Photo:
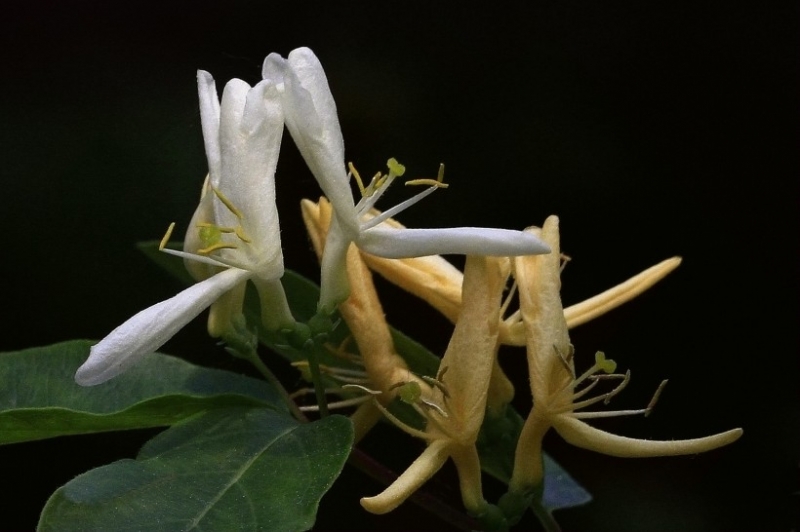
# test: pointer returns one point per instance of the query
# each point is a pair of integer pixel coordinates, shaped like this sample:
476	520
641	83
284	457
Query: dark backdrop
652	129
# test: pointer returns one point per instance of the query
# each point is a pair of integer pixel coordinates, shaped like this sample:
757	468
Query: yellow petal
539	281
471	353
598	305
422	469
362	311
585	436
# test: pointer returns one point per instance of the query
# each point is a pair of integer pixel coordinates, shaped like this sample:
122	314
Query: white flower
234	236
311	118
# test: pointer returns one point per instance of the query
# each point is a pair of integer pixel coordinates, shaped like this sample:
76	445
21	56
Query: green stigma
395	168
410	392
607	365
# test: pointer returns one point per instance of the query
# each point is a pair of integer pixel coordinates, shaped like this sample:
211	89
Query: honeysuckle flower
312	121
234	235
454	403
558	394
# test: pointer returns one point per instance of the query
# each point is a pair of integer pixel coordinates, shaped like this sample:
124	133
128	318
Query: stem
311	349
273	380
545	517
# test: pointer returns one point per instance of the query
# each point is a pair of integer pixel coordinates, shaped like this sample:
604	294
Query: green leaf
498	439
234	469
40	399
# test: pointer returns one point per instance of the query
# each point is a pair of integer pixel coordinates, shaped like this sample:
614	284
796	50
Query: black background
652	129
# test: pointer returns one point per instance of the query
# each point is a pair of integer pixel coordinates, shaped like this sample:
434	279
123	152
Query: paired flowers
235	237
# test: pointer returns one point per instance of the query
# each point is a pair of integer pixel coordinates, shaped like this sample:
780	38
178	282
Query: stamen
621	386
360	183
507	301
654	400
442	371
438	182
167	235
362	388
430	404
564	260
396	209
228	203
241	234
308	391
565	361
206	225
437	384
427	181
353	401
400	424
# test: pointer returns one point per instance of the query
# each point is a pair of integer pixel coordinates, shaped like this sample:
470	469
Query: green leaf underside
245	469
40	399
498	439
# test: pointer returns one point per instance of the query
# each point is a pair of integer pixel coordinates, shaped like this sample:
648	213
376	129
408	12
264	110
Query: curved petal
403	243
423	468
314	125
149	329
587	310
209	118
585	436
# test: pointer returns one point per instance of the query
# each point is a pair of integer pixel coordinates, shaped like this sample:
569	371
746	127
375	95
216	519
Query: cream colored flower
454	404
558	394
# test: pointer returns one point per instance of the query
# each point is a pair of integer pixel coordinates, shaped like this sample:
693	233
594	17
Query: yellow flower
558	393
454	403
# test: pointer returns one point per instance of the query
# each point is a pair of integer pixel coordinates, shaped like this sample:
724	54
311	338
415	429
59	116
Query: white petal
149	329
403	243
334	285
209	117
314	125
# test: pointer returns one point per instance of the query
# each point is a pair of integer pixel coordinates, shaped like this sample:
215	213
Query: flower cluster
234	235
234	238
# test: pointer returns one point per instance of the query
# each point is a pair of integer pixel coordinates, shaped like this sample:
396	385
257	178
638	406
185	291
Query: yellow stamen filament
202	225
361	388
228	203
167	235
356	175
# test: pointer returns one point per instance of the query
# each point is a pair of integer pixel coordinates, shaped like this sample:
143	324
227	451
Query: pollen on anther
167	236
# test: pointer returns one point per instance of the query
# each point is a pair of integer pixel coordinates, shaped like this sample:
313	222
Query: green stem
545	517
316	377
273	380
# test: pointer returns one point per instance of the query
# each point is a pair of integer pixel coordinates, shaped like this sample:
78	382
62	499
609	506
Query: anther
652	403
167	235
228	203
360	183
